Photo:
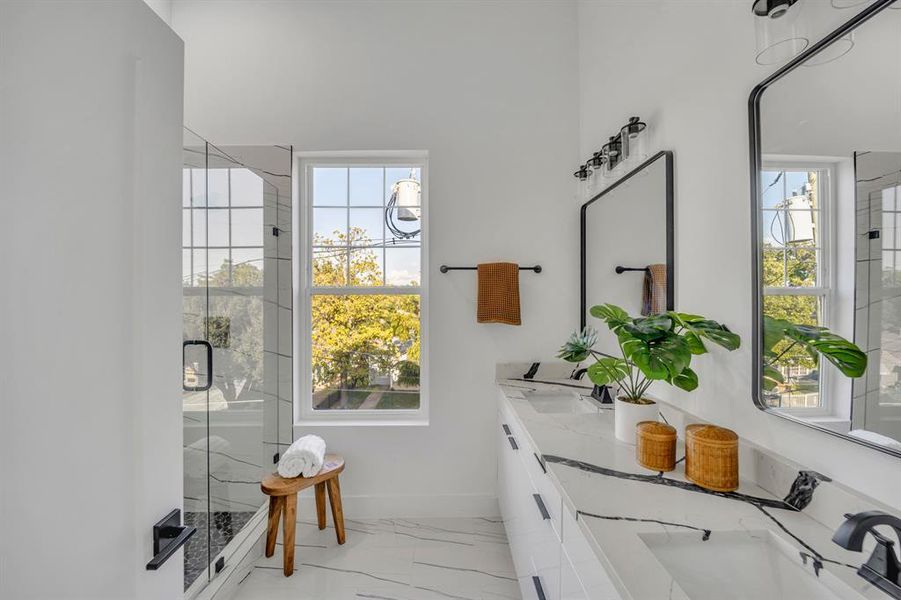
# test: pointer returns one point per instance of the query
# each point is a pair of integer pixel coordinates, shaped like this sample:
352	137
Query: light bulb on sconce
596	163
613	159
633	136
583	174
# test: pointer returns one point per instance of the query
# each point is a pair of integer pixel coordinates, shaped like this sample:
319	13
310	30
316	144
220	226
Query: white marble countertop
591	469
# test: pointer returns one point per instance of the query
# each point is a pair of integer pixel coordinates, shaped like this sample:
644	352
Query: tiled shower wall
877	323
274	165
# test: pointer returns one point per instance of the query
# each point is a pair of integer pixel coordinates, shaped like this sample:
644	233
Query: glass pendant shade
779	29
847	3
833	51
633	136
408	203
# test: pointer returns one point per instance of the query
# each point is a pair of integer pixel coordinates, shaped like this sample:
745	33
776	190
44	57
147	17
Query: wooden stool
282	494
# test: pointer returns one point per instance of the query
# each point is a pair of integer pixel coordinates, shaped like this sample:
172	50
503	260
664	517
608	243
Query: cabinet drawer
546	489
588	568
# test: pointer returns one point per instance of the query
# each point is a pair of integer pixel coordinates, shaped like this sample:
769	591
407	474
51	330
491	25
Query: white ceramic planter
627	415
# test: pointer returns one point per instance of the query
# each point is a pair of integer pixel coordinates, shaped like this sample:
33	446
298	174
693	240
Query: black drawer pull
538	589
513	443
507	429
540	464
541	507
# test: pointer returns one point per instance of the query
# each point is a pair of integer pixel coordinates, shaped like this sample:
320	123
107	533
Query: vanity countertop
619	505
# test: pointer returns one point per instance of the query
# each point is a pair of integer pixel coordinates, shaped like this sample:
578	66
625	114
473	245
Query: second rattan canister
711	457
656	445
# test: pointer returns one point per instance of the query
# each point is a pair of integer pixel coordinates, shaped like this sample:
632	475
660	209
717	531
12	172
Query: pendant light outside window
779	29
405	205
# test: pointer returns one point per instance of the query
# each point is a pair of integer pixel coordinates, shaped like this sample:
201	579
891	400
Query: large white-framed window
799	266
361	324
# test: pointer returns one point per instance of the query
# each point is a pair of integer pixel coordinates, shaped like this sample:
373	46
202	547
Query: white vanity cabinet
553	560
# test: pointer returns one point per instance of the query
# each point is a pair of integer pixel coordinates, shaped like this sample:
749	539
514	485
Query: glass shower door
195	399
236	328
237	308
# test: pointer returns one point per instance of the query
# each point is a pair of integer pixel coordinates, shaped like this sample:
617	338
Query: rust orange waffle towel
499	293
653	293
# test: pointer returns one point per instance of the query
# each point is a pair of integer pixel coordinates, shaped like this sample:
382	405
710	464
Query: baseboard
378	507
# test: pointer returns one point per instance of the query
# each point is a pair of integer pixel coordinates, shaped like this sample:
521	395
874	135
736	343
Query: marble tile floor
391	559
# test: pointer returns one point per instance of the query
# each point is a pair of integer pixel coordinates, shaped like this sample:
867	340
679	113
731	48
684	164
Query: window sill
329	421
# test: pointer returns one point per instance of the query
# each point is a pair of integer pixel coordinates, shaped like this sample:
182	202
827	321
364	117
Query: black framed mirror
825	165
627	240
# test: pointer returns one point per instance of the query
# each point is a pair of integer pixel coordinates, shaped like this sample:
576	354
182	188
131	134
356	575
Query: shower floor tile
225	526
391	559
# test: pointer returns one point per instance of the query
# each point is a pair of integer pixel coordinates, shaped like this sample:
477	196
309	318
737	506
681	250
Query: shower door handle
193	381
168	536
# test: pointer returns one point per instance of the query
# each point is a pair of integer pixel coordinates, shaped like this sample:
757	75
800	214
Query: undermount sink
558	402
744	565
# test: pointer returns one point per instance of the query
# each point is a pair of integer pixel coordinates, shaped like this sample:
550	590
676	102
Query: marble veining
706	532
661	480
616	503
392	559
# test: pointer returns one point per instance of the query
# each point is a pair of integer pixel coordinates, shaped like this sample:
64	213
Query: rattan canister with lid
711	457
655	446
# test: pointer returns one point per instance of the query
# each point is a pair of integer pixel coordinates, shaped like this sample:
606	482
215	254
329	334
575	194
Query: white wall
90	416
163	9
688	69
490	90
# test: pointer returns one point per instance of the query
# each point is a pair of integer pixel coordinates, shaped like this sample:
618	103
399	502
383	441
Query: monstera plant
816	341
654	348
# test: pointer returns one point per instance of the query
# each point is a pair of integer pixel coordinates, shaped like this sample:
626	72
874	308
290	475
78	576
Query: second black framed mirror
825	165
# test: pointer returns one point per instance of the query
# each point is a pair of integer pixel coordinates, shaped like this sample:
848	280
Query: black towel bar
621	270
445	268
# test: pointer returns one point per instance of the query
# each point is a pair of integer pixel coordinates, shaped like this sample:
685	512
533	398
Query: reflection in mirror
828	204
630	225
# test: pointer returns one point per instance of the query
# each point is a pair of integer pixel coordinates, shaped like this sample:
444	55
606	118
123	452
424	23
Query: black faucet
532	370
578	373
882	568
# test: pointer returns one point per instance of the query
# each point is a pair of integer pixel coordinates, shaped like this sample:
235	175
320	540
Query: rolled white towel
304	457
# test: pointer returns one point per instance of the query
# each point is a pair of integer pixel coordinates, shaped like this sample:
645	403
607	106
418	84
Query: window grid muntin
823	289
387	416
385	243
203	245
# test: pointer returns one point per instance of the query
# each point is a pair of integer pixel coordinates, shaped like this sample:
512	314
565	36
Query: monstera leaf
696	327
817	341
686	380
663	358
608	370
772	377
612	315
654	348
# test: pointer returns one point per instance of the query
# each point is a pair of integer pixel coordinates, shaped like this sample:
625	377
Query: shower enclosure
236	278
877	396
